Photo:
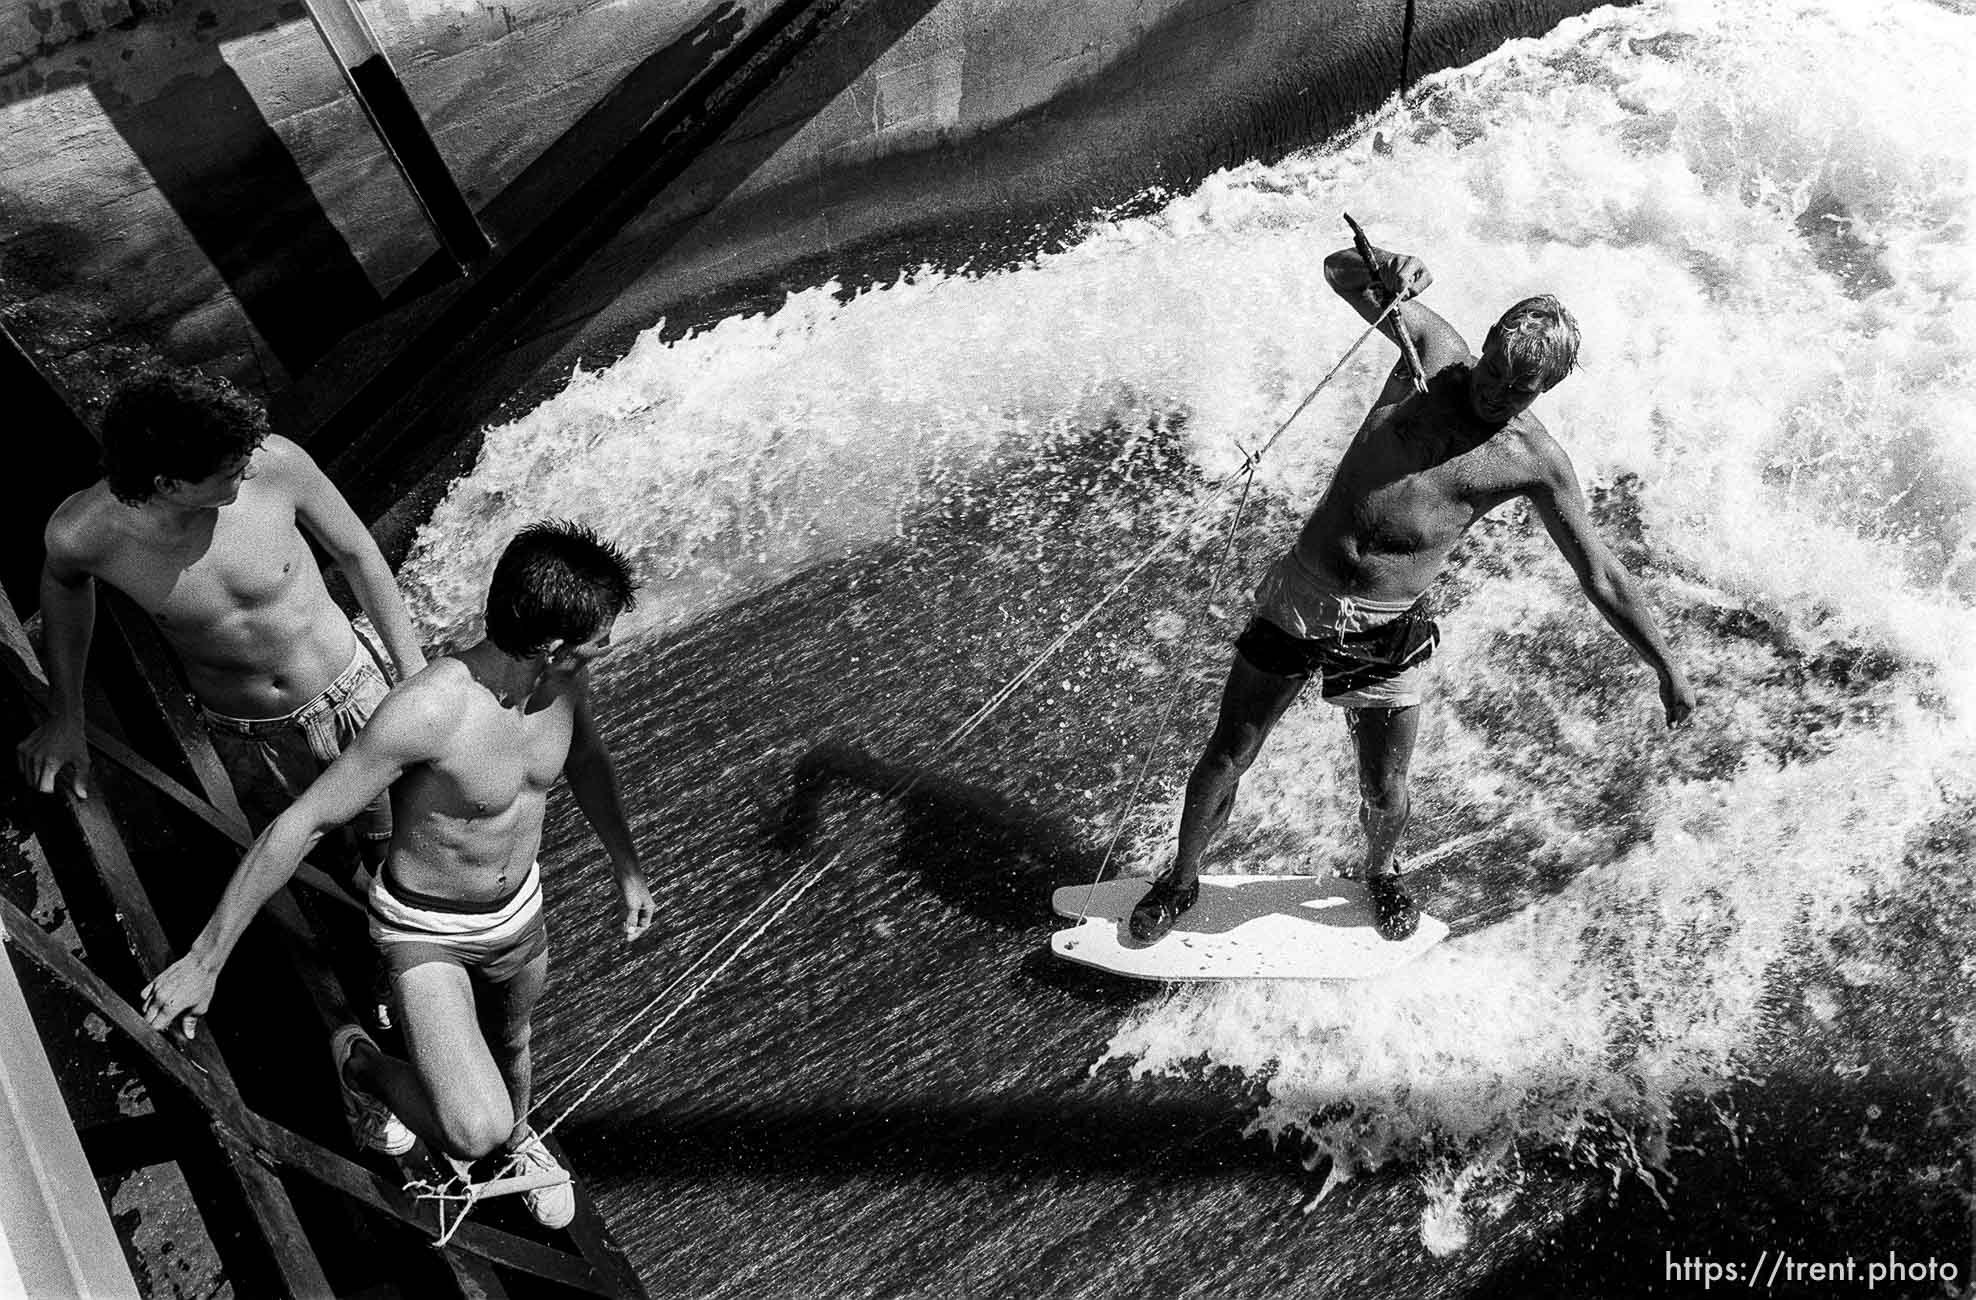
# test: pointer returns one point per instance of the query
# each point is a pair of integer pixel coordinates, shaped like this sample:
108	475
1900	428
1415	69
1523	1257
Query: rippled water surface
1707	990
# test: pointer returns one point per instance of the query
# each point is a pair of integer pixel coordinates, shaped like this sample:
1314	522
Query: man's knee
1384	793
1232	751
509	1040
472	1128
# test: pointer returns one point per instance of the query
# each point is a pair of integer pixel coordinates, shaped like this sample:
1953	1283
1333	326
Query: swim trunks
495	939
272	760
1368	654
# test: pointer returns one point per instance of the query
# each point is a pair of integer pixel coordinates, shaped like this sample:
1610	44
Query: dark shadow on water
1086	983
975	848
1176	1138
1820	1169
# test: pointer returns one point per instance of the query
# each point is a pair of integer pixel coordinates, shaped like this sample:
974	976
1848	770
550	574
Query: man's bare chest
1430	461
499	757
239	561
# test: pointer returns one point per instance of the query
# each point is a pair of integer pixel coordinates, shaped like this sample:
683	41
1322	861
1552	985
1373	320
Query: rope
899	789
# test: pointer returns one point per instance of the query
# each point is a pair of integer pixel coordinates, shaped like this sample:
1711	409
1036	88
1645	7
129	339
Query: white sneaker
371	1121
552	1206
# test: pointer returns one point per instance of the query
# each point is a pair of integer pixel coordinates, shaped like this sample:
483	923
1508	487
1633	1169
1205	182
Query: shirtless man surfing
200	518
1346	604
468	750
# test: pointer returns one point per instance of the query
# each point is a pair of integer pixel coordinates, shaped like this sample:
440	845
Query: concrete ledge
55	1236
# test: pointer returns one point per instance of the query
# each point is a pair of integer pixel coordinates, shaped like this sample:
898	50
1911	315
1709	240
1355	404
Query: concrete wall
192	180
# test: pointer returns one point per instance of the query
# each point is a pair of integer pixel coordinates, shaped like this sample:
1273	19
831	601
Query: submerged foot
371	1121
1393	911
1161	907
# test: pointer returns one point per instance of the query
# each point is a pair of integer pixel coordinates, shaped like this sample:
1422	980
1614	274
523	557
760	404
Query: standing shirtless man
1346	604
199	518
468	750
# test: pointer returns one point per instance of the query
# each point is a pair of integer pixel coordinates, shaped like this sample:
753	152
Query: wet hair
1540	339
181	427
556	581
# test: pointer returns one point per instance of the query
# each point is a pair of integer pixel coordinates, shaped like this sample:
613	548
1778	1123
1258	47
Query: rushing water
859	516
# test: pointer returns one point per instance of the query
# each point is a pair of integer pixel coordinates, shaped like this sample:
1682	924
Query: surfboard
1243	927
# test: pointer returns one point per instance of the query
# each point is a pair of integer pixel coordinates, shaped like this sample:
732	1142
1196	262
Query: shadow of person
972	847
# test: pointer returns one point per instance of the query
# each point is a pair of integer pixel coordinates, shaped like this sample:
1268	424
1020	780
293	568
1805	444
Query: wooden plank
274	1215
32	941
281	1230
490	1243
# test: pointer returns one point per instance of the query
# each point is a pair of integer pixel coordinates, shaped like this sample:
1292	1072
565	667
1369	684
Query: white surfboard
1243	927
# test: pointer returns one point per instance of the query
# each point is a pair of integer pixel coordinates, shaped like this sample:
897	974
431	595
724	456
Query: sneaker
371	1121
1394	913
552	1206
1161	907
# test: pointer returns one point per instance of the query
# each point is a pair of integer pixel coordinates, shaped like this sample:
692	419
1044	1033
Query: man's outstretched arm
1560	503
388	744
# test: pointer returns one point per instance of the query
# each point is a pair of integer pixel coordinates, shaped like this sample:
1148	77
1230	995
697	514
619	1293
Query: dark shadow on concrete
243	199
586	149
441	385
64	462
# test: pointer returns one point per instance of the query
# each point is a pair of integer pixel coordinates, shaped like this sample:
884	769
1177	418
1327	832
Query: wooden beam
286	1245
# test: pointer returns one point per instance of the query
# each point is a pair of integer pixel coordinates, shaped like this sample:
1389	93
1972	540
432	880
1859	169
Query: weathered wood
490	1243
274	1215
190	1075
286	1245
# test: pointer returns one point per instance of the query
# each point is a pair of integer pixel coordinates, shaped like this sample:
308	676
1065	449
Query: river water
1707	993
